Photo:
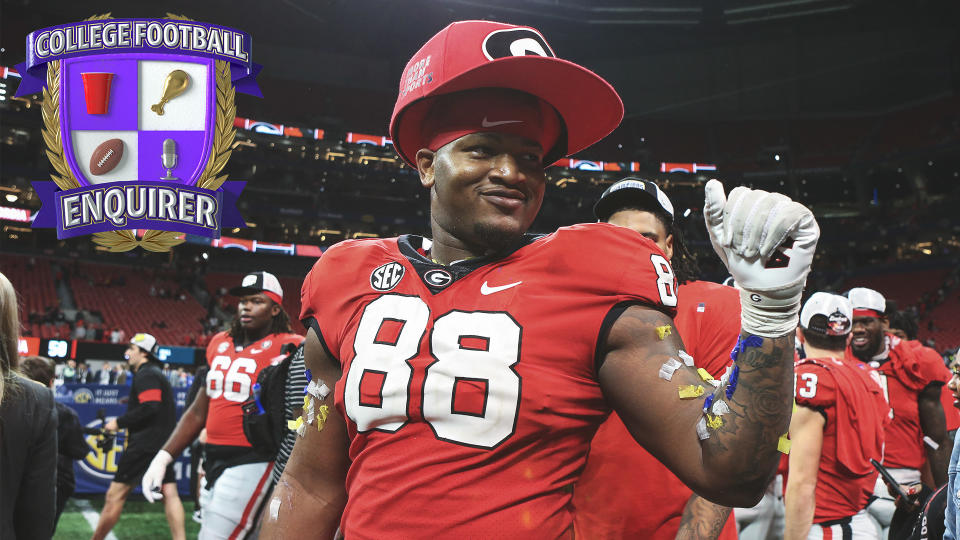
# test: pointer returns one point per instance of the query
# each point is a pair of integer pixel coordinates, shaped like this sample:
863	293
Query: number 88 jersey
233	371
470	390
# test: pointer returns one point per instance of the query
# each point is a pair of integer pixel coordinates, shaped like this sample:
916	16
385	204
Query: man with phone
837	429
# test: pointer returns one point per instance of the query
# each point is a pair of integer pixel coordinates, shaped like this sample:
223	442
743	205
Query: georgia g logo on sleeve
515	42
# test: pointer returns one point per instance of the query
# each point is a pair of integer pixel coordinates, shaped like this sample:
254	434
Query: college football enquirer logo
138	123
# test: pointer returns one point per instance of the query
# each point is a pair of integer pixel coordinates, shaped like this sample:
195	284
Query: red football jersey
233	371
907	372
470	390
607	503
851	399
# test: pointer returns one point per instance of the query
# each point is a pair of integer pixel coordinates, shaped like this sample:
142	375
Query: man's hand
766	242
153	478
111	425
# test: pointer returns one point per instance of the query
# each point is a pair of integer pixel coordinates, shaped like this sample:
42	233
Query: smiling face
954	384
866	338
485	189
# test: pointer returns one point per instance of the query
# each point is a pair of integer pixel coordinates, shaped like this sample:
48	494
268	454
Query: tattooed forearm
702	520
760	409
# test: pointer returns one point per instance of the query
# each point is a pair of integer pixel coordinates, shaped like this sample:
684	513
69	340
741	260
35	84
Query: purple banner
138	205
111	36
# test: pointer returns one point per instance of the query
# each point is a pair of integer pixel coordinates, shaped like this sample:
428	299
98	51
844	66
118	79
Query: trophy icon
175	84
169	158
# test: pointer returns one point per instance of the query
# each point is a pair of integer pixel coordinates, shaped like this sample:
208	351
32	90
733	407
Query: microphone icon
169	158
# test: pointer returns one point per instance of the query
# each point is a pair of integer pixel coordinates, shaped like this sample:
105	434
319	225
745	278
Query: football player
237	476
606	501
476	366
912	381
837	429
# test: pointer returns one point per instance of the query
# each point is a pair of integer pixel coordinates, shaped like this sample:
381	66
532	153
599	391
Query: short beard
495	240
873	348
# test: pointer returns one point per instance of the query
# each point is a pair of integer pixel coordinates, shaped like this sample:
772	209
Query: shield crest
137	117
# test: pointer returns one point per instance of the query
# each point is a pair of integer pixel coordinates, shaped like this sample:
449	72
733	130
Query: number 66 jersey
470	390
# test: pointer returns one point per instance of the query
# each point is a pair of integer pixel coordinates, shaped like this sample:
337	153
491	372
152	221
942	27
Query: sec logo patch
386	277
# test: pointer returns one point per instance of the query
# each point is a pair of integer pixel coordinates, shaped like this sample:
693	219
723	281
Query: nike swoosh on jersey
486	123
486	289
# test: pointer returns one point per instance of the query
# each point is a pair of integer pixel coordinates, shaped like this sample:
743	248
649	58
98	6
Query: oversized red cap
468	55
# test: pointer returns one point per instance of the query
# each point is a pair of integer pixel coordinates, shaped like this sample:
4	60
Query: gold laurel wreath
224	135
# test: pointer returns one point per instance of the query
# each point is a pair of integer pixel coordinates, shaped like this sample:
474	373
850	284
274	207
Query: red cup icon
96	89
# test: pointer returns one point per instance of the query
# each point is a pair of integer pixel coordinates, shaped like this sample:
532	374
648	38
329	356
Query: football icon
106	157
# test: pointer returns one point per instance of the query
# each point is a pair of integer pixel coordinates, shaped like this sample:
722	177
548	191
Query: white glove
746	231
153	478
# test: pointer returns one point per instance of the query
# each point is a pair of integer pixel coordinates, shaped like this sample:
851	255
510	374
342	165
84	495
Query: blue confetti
736	349
708	402
308	374
732	384
305	388
752	341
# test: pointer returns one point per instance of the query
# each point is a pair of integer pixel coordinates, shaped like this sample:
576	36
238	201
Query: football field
140	520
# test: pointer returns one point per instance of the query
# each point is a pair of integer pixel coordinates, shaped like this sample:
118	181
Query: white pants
883	507
860	527
229	510
765	521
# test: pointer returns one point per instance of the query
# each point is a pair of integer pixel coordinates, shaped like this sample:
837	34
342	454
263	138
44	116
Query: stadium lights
11	197
776	157
204	255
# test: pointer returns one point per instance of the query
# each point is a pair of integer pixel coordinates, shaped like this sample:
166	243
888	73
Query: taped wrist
768	317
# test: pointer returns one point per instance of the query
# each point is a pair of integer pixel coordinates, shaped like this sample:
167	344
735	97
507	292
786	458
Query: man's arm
933	424
734	465
806	434
702	520
188	428
311	492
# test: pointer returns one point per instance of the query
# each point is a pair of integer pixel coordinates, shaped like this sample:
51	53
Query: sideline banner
94	472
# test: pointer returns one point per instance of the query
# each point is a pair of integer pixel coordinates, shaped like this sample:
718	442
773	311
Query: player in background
606	501
912	381
952	519
150	417
837	429
476	366
237	477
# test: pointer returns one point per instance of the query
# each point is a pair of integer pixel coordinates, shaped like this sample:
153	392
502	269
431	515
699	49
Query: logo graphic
99	462
438	277
82	395
138	123
222	347
515	42
486	123
838	324
386	277
486	289
266	344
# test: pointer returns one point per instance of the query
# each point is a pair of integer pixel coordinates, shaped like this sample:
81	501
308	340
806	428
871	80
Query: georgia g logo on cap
515	42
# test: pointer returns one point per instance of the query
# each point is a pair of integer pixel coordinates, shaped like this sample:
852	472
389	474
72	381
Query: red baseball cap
468	55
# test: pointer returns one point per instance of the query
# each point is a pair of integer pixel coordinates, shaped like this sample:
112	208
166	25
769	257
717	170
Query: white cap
827	314
146	342
862	298
256	282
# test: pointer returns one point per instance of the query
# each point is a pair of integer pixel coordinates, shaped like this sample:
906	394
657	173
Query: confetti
732	385
783	445
720	407
319	391
308	374
704	374
322	413
702	429
690	391
664	331
275	508
669	368
708	402
294	425
687	359
714	421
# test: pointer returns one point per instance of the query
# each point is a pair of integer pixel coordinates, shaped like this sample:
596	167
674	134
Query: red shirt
904	376
470	390
232	374
851	399
607	502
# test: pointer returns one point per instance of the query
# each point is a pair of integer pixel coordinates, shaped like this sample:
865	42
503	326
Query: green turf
140	520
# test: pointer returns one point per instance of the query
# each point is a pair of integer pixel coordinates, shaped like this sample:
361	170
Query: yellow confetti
294	425
783	445
306	401
322	416
664	331
691	391
704	374
714	421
